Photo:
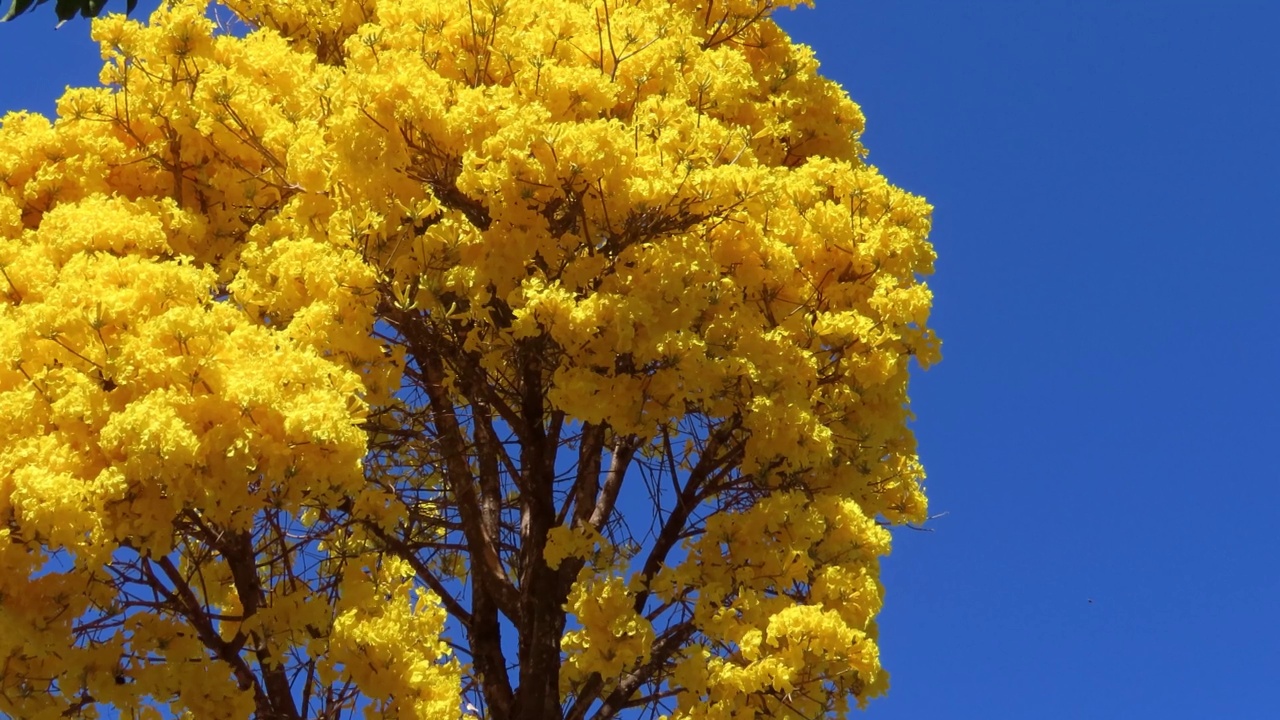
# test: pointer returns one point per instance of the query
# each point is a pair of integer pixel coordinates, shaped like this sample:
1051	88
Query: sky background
1106	177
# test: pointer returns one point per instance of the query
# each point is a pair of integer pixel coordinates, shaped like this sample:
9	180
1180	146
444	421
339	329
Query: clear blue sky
1107	184
1106	177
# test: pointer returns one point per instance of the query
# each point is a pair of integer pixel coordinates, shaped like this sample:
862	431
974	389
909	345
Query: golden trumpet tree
428	358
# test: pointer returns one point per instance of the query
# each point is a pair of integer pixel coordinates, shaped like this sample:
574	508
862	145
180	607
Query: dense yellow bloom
333	349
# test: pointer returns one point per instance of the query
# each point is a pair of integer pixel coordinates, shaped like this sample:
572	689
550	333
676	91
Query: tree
538	359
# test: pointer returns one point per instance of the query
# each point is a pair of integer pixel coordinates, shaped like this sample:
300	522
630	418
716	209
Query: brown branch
489	450
688	498
229	652
662	652
403	551
658	658
623	450
542	599
237	549
486	564
687	501
587	482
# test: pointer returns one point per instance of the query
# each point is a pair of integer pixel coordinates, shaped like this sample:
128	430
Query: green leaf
67	9
15	9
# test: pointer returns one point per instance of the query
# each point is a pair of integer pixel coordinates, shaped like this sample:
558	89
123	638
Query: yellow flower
426	353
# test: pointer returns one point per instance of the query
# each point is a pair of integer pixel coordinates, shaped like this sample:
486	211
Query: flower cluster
315	334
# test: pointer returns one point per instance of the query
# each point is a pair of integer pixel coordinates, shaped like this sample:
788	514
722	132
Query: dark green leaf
16	8
67	9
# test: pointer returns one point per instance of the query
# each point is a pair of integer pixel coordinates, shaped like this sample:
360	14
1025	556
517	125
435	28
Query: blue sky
1106	177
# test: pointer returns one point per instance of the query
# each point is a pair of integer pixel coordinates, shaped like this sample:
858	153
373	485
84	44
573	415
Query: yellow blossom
542	357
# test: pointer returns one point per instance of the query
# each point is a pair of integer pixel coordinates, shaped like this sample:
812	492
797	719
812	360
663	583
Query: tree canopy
438	358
